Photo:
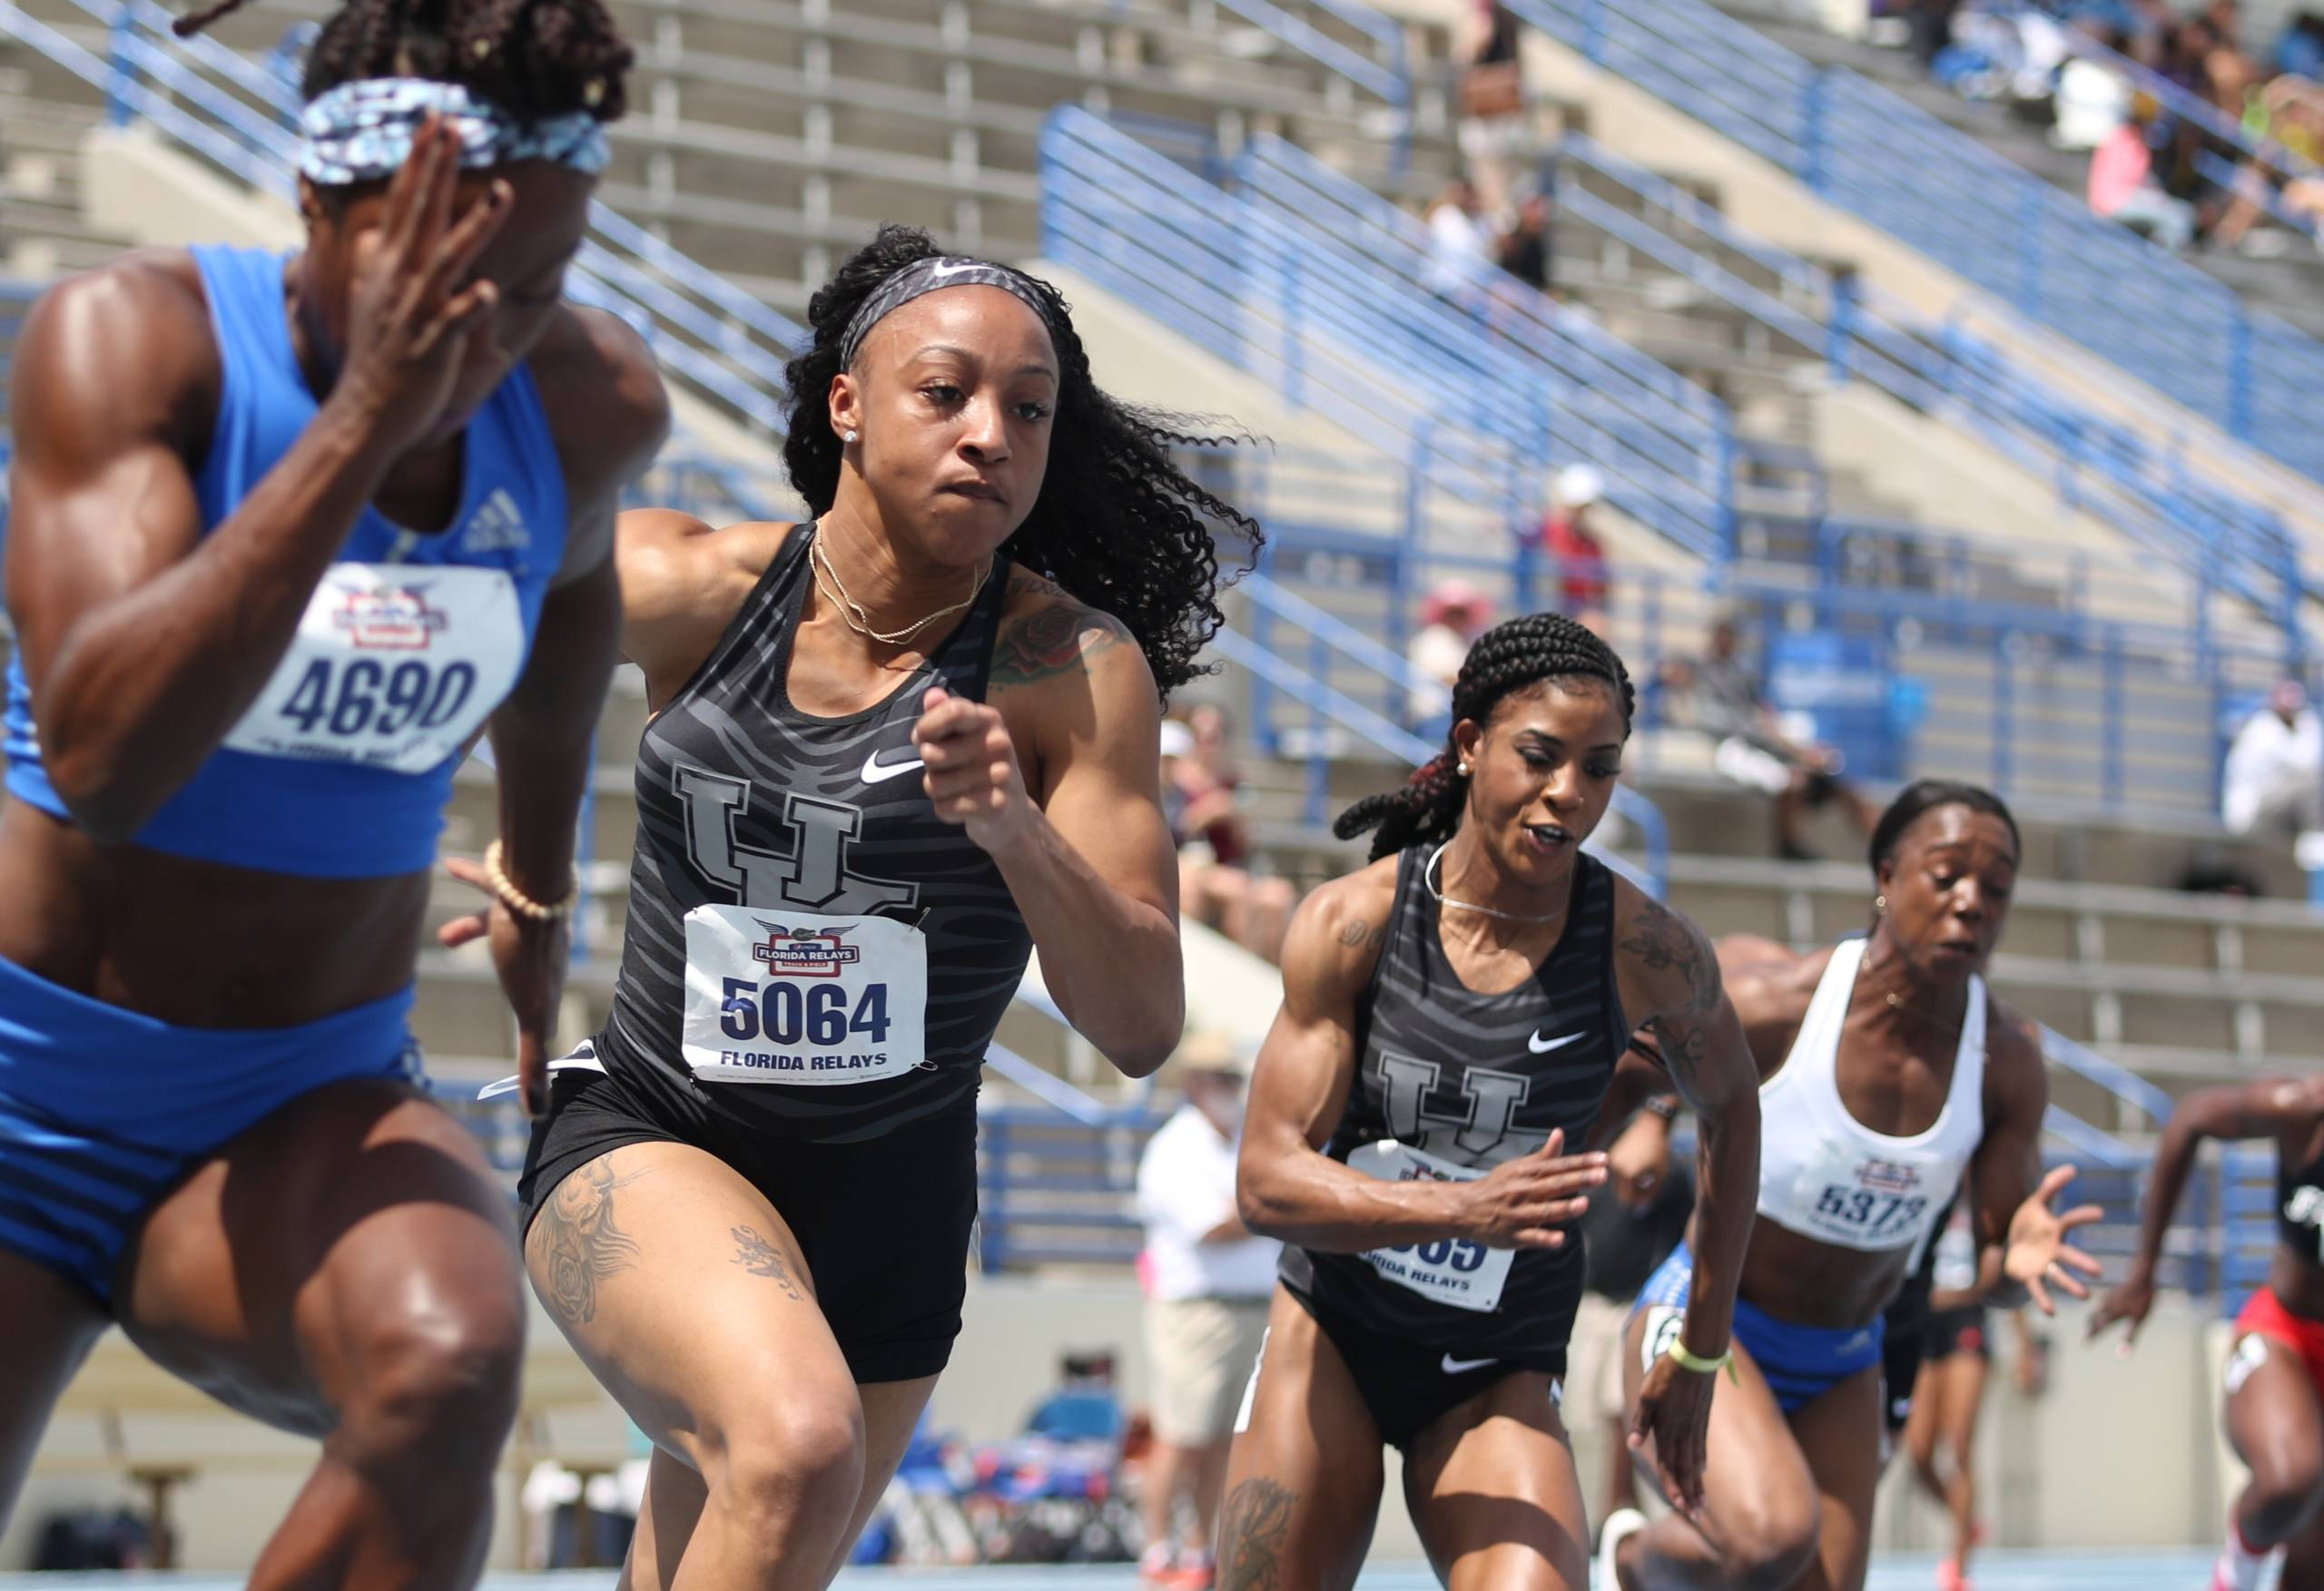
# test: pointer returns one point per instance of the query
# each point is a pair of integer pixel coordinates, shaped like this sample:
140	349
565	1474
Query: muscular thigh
1304	1475
45	1331
1492	1489
1839	1432
254	1277
684	1293
2274	1417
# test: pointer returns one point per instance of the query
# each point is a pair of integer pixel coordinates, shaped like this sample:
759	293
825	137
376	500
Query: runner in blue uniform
287	534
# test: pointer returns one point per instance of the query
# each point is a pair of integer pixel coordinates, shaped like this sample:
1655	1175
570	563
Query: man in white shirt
1207	1283
2275	769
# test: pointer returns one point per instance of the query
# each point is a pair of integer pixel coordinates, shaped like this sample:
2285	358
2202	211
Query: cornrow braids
1506	659
533	58
1117	525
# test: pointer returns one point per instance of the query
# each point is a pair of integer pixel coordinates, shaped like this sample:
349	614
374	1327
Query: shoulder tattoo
1055	639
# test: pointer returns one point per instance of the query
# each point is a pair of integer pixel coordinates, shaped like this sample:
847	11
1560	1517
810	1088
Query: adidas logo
495	526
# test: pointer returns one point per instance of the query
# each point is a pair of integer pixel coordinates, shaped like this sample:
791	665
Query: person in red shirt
1577	558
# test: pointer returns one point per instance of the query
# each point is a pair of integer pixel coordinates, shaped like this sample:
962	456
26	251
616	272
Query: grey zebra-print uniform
744	800
1471	1080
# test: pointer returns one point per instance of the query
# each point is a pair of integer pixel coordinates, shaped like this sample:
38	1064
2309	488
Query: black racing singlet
2299	1205
1453	1083
810	951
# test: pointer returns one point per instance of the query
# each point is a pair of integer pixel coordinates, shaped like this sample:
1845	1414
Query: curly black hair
1119	524
1506	659
533	58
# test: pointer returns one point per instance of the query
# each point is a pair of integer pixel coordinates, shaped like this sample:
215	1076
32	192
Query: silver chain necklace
1428	881
858	618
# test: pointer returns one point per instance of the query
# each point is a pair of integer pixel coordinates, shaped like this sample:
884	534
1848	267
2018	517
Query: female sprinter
2275	1376
1451	1015
1891	1077
893	751
287	533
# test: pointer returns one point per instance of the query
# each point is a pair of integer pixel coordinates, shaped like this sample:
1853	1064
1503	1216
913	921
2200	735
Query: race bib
394	668
1862	1200
776	995
1458	1271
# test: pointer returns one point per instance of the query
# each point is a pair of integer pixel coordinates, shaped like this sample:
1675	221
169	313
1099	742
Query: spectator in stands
1207	1284
1758	748
1451	617
1525	251
1577	558
2301	52
2092	99
2275	769
2123	186
1636	1217
1460	247
1492	102
1199	801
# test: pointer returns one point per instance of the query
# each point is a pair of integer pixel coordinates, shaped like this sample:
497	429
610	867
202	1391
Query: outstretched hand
1522	1203
2038	1256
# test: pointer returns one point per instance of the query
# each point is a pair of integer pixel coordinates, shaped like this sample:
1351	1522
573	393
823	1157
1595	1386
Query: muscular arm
1094	872
610	414
2007	1166
2269	1107
1670	977
1287	1187
145	640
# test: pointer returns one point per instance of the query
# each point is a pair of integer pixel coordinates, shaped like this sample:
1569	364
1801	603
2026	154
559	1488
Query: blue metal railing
1345	332
1993	224
2213	535
238	115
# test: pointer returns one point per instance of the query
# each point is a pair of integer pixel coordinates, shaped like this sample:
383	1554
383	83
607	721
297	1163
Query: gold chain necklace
858	618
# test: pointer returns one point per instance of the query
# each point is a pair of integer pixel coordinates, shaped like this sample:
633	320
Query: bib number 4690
788	1015
363	695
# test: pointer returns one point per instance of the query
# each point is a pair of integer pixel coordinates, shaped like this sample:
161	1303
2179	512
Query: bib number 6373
787	1014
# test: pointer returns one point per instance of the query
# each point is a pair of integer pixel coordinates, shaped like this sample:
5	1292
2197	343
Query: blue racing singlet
342	766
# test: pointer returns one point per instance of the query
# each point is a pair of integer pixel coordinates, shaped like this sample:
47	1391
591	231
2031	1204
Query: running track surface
2155	1570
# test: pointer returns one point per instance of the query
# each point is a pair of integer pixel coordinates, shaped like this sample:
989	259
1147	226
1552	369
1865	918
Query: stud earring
849	436
1462	768
1880	903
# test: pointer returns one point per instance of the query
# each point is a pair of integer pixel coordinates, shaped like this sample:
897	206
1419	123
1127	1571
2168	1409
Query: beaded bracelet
505	890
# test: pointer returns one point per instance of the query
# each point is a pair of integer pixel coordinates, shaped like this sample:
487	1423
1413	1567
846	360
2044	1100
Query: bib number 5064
786	1014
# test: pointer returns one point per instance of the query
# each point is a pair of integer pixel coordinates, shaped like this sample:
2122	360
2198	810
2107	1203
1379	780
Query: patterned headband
922	276
361	131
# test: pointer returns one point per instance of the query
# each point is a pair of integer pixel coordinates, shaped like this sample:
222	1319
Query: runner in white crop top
1892	1081
1825	1175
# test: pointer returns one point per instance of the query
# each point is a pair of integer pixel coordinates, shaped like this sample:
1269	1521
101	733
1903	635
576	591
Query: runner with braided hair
1452	1018
288	532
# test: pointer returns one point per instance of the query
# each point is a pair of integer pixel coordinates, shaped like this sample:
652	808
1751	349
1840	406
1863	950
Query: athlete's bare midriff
1806	1283
194	943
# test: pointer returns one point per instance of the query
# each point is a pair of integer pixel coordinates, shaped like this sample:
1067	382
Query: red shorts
2265	1316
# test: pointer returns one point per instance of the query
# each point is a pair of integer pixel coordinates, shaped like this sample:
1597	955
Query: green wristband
1701	1365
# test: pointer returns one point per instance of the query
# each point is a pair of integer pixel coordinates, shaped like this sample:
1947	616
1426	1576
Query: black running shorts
1407	1386
885	1224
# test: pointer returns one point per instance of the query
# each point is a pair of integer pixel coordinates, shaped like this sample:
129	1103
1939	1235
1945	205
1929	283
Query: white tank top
1826	1175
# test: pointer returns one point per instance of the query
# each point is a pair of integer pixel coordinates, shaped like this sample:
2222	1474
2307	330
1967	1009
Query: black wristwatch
1663	1106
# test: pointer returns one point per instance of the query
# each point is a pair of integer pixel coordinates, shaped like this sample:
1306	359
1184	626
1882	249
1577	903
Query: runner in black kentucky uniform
888	758
1454	1315
1452	1017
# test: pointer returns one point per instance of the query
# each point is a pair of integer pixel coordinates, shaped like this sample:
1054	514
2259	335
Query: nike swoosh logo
940	272
1541	1046
1461	1367
874	771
